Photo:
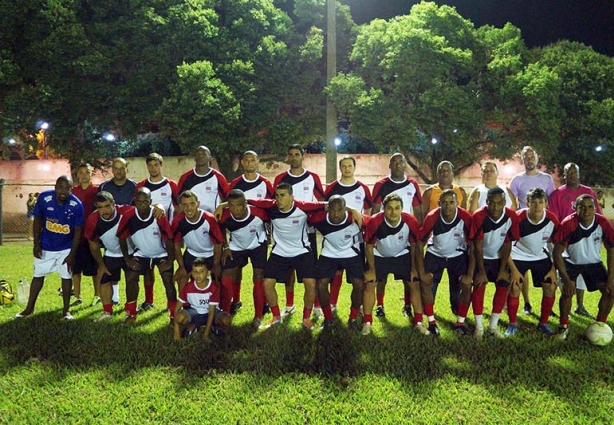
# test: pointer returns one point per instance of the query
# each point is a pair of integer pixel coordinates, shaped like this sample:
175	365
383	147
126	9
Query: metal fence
14	222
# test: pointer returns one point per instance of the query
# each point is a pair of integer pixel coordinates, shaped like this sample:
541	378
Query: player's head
537	200
336	209
189	204
295	155
84	173
571	173
249	162
529	157
142	201
154	163
489	171
393	207
397	165
200	271
202	156
283	196
347	166
119	168
237	204
448	201
445	172
585	208
495	202
105	204
63	188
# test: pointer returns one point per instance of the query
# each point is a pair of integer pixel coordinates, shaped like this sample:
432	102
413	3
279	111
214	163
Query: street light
44	126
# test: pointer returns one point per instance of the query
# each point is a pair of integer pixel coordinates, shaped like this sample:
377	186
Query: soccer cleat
478	334
366	328
21	315
380	312
256	322
146	306
496	333
274	322
527	308
407	311
307	324
333	308
421	328
76	302
461	330
103	317
545	329
434	329
327	325
129	319
218	331
115	302
581	311
288	310
511	330
353	325
95	301
266	309
562	333
235	307
318	313
68	317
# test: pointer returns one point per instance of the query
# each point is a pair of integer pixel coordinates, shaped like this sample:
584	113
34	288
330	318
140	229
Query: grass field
85	372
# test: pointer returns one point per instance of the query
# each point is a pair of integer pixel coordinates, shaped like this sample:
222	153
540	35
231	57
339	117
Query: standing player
409	192
254	186
530	252
493	228
152	239
342	237
247	240
291	249
521	183
445	177
477	196
445	232
207	183
101	228
58	224
577	252
307	187
357	196
561	203
84	262
391	241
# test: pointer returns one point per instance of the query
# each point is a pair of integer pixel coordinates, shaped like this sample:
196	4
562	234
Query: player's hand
133	263
466	281
226	254
569	289
218	212
158	211
427	279
69	261
480	279
102	270
164	265
180	276
216	271
515	278
370	276
38	252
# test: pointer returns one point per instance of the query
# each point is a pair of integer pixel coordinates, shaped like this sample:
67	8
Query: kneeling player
197	306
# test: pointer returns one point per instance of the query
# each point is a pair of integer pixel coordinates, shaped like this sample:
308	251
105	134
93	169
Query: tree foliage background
170	75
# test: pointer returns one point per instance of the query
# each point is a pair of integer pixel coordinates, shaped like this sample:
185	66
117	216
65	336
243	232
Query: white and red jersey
97	229
338	240
493	233
259	188
164	192
211	188
534	237
199	298
357	195
149	235
584	243
407	189
289	227
445	239
392	241
305	187
200	236
248	233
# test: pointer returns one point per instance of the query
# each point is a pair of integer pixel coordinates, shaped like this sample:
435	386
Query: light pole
331	71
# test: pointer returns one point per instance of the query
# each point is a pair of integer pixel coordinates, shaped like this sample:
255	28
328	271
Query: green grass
85	372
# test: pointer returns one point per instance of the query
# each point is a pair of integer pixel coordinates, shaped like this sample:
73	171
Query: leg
270	293
66	286
171	291
181	320
308	300
132	292
368	301
525	295
605	306
76	285
258	292
35	288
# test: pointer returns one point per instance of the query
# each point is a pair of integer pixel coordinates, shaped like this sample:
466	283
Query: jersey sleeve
427	226
90	227
222	186
417	199
414	227
318	191
215	233
123	231
608	231
165	228
174	191
377	193
175	228
264	204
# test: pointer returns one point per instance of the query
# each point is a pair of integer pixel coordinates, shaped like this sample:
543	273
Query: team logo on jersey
63	229
156	233
252	229
597	239
48	198
72	203
50	209
295	221
208	188
400	236
457	234
305	188
258	195
502	234
163	193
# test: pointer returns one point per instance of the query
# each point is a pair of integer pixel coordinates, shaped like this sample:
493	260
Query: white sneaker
288	310
478	333
421	328
95	301
366	328
318	313
103	317
496	333
68	317
333	308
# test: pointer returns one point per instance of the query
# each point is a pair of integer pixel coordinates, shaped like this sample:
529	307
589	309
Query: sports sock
479	321
602	318
335	288
380	299
316	302
275	311
430	314
494	320
477	300
115	296
354	312
289	298
499	299
512	309
547	304
463	309
406	297
306	313
172	305
368	318
107	308
130	308
149	294
236	294
258	293
417	318
227	292
328	313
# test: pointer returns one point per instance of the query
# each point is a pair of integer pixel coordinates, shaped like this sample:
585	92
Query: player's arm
131	262
514	205
478	250
37	229
95	250
219	210
504	256
426	202
463	203
418	211
370	257
356	215
76	240
472	202
376	208
181	275
609	288
210	318
568	286
425	278
515	275
467	279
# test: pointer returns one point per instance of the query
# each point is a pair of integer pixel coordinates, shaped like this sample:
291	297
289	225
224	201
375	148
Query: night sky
542	22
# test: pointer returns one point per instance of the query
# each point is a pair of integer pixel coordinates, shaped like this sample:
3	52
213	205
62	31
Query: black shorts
539	269
115	265
456	266
256	255
188	260
278	267
354	267
492	268
84	261
400	267
595	275
148	264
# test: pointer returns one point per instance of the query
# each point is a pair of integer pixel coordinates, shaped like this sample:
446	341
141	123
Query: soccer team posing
212	229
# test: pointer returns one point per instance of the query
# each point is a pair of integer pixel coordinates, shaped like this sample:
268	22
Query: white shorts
52	261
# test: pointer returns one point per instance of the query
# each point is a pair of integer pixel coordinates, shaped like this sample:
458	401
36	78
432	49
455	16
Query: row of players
212	190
